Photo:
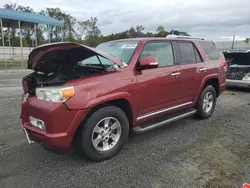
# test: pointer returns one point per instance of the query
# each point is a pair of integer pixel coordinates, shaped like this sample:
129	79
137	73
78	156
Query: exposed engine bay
63	75
57	63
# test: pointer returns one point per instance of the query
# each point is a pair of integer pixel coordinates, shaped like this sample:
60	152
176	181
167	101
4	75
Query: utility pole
233	42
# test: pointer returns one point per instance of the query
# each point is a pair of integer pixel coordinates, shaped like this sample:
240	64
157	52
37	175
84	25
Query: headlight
55	94
246	77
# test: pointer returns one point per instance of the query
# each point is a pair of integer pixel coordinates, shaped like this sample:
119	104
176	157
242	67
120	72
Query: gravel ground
188	153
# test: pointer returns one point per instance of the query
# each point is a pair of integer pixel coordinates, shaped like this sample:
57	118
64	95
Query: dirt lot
188	153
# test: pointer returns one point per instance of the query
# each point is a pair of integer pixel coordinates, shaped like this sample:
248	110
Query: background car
238	72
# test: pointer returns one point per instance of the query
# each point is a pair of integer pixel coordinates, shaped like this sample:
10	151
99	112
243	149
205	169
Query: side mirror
149	63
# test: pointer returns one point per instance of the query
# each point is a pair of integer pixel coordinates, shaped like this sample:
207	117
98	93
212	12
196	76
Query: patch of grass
13	64
229	93
14	97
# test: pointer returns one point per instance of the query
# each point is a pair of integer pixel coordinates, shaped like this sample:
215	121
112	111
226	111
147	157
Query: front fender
106	98
87	102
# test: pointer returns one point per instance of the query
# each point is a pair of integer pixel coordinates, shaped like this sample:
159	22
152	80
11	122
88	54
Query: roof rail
238	51
184	37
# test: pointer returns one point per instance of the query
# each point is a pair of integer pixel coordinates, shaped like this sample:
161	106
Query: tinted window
161	50
186	52
197	56
210	49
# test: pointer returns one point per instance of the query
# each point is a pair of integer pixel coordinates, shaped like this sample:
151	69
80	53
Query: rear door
214	61
192	69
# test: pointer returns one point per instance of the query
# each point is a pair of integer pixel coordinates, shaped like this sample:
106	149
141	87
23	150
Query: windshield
120	49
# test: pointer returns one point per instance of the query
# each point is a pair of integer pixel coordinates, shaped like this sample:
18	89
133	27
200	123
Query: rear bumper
238	83
60	123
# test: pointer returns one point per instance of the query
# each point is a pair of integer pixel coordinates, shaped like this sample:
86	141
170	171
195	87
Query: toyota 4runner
93	97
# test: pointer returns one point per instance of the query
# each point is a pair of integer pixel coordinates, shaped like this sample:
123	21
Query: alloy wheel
208	102
106	134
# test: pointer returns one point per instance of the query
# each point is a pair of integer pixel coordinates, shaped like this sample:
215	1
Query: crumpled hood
51	57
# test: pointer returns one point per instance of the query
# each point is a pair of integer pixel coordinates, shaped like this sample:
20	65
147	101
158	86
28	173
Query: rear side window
211	51
187	53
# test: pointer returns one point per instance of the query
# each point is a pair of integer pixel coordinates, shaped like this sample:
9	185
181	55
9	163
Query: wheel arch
209	80
122	103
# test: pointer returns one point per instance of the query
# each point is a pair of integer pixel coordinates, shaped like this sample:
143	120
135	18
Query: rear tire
104	133
206	103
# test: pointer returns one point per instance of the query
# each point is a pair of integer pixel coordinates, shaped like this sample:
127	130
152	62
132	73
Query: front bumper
238	83
60	123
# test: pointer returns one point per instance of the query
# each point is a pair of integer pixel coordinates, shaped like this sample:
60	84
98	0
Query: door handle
202	69
175	74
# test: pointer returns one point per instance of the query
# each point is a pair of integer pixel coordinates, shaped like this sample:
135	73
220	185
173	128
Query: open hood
238	57
51	57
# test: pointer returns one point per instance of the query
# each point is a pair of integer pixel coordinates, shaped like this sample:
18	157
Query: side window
197	55
161	50
186	52
210	49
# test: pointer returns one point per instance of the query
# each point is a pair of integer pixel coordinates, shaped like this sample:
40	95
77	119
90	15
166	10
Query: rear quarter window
211	50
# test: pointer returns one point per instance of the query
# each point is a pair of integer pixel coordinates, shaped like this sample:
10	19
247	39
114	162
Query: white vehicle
238	72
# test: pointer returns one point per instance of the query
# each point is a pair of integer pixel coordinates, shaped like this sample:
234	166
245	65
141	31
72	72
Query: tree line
73	30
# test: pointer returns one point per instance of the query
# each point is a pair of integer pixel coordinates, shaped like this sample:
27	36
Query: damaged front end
238	72
57	63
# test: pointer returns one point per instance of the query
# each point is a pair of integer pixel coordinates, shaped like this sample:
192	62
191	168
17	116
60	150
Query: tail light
25	86
224	65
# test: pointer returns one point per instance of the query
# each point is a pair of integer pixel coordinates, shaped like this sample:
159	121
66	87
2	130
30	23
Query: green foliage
247	40
161	32
85	32
175	32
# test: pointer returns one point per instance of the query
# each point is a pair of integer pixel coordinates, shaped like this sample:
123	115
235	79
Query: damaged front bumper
27	136
238	83
60	123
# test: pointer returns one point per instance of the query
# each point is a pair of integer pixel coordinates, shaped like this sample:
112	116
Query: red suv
93	97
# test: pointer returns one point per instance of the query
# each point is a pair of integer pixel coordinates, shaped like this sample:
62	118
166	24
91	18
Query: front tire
104	133
206	103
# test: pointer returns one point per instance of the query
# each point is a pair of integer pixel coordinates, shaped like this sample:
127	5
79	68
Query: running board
169	119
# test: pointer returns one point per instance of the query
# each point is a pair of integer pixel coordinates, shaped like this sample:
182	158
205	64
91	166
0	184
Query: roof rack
184	37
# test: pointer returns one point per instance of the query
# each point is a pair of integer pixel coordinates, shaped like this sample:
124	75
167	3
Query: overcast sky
214	19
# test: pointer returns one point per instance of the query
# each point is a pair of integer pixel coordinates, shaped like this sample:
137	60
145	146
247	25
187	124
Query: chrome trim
140	130
175	74
184	37
202	69
162	110
27	136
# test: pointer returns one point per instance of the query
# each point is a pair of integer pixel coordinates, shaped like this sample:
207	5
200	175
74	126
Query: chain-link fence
226	45
12	56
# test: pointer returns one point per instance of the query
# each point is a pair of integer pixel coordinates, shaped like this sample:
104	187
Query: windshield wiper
104	68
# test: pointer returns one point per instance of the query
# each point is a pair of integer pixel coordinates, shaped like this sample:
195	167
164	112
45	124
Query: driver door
158	87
